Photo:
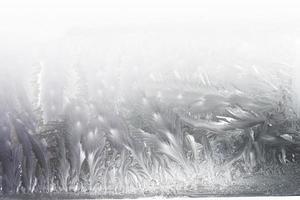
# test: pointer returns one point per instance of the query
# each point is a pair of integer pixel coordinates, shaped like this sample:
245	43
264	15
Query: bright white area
256	30
41	20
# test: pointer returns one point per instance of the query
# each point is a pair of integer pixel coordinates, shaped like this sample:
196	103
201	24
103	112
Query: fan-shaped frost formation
104	125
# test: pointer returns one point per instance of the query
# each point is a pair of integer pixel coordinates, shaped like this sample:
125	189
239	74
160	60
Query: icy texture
116	128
